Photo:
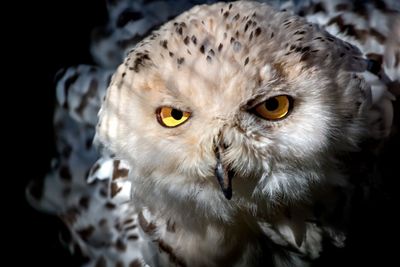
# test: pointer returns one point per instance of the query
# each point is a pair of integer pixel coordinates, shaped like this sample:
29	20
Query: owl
224	134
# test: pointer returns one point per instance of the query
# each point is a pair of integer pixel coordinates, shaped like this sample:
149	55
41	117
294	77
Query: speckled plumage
153	198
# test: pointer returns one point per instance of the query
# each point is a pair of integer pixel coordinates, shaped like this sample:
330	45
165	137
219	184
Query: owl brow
254	101
261	95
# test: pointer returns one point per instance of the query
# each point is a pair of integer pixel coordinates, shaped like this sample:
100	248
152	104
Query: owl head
238	97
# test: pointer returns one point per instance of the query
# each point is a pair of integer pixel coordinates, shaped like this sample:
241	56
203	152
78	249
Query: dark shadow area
56	35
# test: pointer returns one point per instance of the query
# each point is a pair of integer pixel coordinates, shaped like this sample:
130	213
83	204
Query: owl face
237	97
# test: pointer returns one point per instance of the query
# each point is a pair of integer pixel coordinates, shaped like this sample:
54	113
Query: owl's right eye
274	108
170	117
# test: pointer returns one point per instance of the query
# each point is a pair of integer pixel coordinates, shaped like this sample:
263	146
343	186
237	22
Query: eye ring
274	108
170	117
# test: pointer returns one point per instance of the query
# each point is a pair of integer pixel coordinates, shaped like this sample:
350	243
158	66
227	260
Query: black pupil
271	104
176	114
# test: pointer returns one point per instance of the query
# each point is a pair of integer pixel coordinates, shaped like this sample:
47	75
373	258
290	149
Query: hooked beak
223	174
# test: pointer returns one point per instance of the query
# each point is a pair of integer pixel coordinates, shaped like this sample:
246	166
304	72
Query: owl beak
223	174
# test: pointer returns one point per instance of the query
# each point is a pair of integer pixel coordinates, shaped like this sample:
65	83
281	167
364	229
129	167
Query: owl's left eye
170	117
274	108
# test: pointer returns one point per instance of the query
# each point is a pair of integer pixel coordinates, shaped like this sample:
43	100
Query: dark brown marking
171	226
110	205
350	30
194	39
131	227
375	62
103	222
211	52
84	202
236	17
135	263
186	40
246	61
164	43
70	216
103	192
119	264
379	36
179	30
67	84
226	14
305	56
85	233
246	27
164	247
286	22
171	54
319	7
117	172
115	189
377	57
202	49
298	32
220	47
381	5
118	226
305	49
147	227
133	237
180	60
257	31
65	173
128	221
119	245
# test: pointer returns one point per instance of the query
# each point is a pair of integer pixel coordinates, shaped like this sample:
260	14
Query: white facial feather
217	62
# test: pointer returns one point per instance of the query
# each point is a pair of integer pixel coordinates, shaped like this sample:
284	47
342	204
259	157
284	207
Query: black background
49	35
55	35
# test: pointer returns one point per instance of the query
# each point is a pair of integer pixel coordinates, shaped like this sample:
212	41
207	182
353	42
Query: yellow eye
171	117
274	108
